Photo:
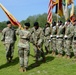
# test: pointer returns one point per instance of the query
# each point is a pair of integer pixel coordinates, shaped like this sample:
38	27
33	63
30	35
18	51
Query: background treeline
41	18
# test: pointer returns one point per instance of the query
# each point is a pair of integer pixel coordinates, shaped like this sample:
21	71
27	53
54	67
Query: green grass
53	65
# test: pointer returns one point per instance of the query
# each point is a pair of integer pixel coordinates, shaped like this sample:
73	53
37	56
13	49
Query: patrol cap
27	24
36	24
8	22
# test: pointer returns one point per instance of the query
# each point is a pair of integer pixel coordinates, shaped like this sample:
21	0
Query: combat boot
8	60
68	56
44	60
59	55
53	53
21	69
11	59
24	69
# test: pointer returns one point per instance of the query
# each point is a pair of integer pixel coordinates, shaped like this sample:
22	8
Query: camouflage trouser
53	44
23	57
59	45
67	47
9	50
39	52
47	45
74	47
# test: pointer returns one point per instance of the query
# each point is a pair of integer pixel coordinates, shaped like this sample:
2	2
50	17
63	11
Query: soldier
38	41
74	39
24	46
59	36
9	38
53	38
67	39
47	33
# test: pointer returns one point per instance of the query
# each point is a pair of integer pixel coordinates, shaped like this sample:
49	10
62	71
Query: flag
69	2
66	11
72	15
11	17
72	10
59	8
52	3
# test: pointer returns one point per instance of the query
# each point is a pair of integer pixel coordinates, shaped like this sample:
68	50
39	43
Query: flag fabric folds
59	8
11	17
52	3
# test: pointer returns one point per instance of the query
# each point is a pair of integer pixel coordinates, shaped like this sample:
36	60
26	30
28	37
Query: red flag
11	17
52	3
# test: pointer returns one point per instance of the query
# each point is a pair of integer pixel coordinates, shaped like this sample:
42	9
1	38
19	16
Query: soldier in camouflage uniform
24	46
59	40
38	37
9	38
47	33
67	39
53	38
74	39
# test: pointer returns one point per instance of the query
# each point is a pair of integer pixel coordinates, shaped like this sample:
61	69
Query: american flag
52	3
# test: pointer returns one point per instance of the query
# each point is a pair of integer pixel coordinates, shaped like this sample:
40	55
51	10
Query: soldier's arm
3	35
40	41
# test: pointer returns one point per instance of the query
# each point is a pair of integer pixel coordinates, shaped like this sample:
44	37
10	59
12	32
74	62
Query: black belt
59	37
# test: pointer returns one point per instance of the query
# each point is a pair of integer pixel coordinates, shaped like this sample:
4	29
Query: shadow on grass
48	59
15	61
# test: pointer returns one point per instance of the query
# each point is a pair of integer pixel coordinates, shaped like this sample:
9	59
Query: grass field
53	65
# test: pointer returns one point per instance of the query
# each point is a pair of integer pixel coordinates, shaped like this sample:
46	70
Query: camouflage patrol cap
8	22
36	24
27	24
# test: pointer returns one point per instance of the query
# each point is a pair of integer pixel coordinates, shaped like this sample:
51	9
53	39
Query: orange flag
11	17
59	8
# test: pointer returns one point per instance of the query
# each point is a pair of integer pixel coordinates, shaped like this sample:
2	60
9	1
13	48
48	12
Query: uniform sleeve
3	35
40	41
17	31
71	32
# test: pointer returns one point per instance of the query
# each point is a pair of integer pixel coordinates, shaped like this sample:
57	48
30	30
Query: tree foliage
41	18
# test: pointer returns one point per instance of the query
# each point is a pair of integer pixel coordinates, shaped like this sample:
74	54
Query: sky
22	9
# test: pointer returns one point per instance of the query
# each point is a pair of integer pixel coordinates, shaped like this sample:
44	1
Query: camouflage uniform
9	38
67	39
74	40
23	47
59	40
38	42
53	39
47	39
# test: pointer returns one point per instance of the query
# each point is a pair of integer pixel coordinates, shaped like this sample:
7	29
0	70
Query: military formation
58	39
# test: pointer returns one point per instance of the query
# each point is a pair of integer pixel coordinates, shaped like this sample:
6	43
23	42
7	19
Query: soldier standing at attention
53	38
74	39
47	33
67	39
38	37
9	38
24	47
59	36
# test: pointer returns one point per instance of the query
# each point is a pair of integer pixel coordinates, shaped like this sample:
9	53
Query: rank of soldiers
59	40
